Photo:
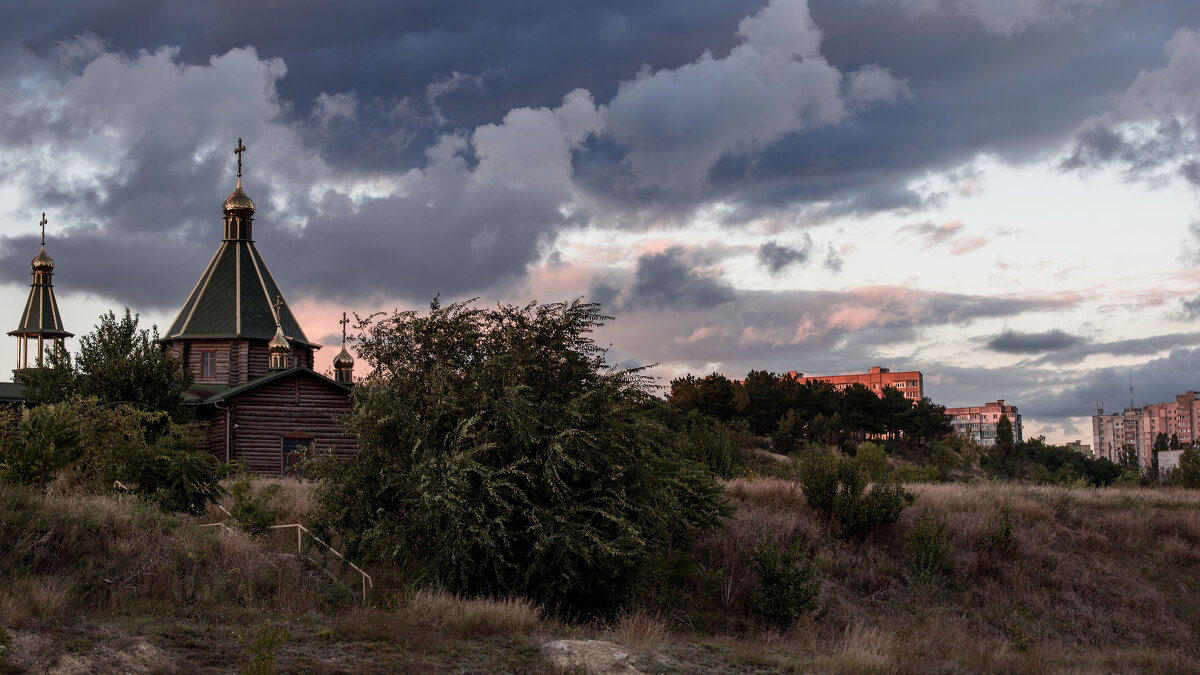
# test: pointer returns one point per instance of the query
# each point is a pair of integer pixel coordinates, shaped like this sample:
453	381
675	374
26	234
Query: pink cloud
855	317
967	245
946	233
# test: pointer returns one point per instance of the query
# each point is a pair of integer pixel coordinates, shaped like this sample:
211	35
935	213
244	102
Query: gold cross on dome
238	151
278	305
344	321
43	224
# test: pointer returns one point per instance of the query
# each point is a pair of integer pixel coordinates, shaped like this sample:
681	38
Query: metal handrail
302	530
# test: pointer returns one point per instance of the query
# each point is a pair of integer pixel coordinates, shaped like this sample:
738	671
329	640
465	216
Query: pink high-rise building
1138	427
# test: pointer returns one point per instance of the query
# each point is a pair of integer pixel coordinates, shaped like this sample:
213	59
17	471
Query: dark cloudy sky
999	193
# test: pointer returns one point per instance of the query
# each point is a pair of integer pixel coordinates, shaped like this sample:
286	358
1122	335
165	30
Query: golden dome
279	344
343	360
238	201
42	263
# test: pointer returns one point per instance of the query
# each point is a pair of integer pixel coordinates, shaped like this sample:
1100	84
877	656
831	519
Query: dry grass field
1036	579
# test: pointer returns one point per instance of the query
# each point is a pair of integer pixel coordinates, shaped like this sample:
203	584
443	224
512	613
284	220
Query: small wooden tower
40	320
343	363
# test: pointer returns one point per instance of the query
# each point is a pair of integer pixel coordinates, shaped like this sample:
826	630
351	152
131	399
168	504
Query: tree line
795	413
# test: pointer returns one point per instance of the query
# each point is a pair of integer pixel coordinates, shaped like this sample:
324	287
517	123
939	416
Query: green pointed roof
41	315
235	299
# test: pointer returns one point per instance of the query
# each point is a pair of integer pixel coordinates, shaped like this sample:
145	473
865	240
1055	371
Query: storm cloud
402	150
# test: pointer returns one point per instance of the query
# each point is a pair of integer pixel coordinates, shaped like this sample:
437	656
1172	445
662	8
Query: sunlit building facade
909	382
979	422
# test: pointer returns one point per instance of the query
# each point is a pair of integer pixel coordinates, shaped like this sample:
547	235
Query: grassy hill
1032	579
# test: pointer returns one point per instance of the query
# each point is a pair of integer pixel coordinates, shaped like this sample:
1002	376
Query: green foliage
172	472
841	487
1016	627
1003	449
116	363
711	395
1188	472
254	510
917	473
500	454
874	460
943	459
261	650
46	440
929	548
997	534
787	581
1040	462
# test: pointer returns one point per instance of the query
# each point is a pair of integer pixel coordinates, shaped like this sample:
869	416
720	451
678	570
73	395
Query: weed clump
929	548
261	650
997	535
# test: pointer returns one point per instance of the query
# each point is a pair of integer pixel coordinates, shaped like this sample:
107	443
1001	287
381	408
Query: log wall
296	405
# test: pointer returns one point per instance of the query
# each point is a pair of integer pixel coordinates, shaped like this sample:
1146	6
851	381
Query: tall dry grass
1085	569
74	552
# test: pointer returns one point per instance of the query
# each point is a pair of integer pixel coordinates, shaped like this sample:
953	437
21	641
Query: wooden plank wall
263	416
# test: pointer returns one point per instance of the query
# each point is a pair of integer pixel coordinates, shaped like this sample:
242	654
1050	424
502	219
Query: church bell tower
40	322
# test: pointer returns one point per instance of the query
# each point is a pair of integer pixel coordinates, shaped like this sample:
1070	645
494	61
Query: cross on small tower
278	305
238	151
344	321
43	224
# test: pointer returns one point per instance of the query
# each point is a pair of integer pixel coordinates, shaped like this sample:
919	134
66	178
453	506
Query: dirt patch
107	653
594	656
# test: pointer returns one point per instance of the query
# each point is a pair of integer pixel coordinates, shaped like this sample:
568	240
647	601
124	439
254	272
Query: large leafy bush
500	454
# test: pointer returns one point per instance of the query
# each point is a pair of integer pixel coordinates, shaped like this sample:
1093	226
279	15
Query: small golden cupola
238	207
279	348
343	363
40	320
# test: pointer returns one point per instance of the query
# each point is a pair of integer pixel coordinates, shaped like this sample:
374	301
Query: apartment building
1138	427
980	421
910	382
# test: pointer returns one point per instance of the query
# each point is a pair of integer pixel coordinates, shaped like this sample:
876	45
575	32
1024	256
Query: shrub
46	441
172	473
929	547
820	472
917	473
873	460
787	581
254	510
500	455
841	488
707	441
261	650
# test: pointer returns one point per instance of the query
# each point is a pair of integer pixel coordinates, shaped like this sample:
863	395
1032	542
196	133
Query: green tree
1162	443
116	362
927	421
500	454
1188	473
894	408
1003	449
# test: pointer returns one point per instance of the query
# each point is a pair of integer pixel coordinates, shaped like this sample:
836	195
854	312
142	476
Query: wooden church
252	363
254	384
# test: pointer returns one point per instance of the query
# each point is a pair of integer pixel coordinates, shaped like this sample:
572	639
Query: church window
208	365
294	447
